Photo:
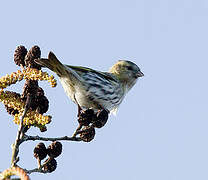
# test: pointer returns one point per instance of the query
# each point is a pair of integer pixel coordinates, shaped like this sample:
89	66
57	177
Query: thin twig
39	170
35	138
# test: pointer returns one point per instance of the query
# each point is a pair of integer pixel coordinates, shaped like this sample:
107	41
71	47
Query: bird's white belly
84	98
77	94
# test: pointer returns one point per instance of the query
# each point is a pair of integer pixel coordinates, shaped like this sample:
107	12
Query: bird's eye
129	68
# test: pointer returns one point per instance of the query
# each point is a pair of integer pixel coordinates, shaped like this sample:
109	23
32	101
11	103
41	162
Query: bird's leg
80	126
79	107
79	110
77	130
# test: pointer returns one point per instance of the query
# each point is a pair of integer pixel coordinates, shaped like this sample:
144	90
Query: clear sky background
160	131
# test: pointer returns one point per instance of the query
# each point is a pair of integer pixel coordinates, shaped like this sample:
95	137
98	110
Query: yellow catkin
11	100
29	74
14	171
34	74
8	80
32	118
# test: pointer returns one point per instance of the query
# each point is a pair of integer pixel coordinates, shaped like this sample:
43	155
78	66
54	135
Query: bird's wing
83	70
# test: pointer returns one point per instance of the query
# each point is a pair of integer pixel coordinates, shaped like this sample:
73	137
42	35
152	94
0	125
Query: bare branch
38	138
20	133
39	170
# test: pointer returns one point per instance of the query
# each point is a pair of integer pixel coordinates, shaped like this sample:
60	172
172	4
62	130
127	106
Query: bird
89	88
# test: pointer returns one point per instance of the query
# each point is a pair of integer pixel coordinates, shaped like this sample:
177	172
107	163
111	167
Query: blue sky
160	131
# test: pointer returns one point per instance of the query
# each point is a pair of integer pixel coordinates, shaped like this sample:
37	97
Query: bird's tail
52	63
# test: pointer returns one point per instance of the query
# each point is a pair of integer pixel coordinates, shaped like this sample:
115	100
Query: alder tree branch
39	138
20	133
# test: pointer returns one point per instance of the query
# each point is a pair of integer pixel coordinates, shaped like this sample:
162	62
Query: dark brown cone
39	101
40	92
54	149
33	53
86	117
40	151
50	166
30	87
102	117
19	55
42	104
88	134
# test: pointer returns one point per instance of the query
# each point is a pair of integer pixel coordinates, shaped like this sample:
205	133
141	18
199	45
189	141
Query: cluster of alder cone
53	151
39	101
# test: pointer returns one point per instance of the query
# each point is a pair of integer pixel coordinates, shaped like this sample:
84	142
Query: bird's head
127	72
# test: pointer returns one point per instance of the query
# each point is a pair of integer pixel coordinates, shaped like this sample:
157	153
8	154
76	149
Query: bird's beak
139	74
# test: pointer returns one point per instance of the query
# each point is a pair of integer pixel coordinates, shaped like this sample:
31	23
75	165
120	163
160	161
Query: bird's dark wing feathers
80	69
